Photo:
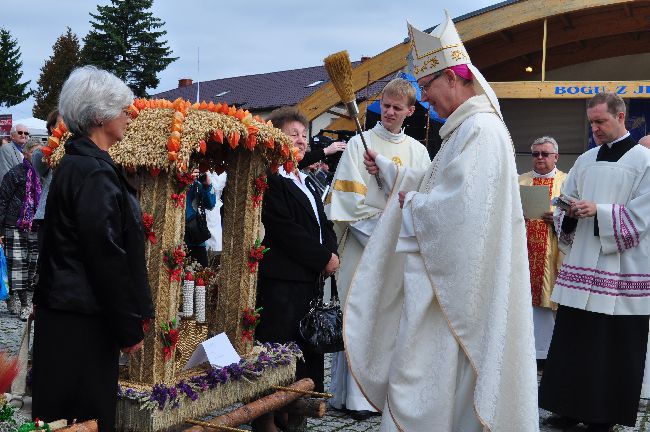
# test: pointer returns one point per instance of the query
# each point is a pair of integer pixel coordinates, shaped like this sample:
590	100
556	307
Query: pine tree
12	92
65	57
125	39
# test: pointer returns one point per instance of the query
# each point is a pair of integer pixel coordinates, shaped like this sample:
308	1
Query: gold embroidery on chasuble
537	237
397	161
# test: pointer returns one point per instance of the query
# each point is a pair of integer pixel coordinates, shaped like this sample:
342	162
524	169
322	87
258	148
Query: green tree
12	91
125	39
65	57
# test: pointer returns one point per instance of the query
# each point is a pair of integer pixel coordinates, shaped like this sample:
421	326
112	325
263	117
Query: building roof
265	91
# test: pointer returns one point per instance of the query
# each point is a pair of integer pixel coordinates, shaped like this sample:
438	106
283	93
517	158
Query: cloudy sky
236	37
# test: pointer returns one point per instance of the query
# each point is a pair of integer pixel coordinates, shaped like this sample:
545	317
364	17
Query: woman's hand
369	162
332	266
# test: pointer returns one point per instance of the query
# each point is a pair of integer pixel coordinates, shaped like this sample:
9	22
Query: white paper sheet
534	201
217	350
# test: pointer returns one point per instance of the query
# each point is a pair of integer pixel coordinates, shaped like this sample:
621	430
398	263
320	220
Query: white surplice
608	273
441	334
347	206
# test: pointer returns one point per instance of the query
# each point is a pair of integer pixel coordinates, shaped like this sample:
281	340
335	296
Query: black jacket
12	194
92	259
292	233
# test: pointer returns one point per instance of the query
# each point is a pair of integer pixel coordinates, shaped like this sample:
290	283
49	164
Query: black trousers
595	364
75	368
284	304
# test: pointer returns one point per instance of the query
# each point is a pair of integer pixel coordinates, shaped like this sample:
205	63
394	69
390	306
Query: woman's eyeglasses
22	133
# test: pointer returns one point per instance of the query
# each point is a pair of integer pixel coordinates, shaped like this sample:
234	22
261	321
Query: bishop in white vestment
438	324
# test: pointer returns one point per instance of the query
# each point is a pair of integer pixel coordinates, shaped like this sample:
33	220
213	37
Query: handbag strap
333	288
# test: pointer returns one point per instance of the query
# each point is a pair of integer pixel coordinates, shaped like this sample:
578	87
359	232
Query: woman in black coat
302	246
93	294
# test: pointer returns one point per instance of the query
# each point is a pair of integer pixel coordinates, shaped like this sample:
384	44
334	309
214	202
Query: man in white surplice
346	204
438	324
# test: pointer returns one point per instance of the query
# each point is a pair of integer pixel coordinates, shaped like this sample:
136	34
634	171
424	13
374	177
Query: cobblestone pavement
11	330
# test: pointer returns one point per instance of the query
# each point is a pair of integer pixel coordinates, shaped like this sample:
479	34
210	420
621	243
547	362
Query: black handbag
322	327
196	227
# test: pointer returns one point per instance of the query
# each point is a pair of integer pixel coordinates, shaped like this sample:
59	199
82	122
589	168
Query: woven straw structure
241	223
147	366
192	334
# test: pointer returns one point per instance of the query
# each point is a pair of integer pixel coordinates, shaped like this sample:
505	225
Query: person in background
5	140
213	216
645	141
12	155
20	193
45	173
544	257
594	371
202	190
92	299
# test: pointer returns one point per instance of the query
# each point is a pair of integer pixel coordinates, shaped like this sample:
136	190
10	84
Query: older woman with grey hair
93	296
20	193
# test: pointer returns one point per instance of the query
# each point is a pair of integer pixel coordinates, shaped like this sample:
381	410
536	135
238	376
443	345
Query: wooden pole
255	409
544	49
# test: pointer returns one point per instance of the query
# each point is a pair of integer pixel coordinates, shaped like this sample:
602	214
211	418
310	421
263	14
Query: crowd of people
454	298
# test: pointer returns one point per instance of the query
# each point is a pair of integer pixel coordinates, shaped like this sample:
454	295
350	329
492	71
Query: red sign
5	124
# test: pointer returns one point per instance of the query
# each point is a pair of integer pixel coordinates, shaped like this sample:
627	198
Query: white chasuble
355	218
608	273
411	336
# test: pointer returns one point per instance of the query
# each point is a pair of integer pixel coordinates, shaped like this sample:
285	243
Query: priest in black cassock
595	364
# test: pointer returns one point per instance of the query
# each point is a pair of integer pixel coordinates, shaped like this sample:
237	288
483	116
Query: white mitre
443	49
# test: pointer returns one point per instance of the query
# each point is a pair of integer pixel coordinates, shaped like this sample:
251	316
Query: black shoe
560	422
362	415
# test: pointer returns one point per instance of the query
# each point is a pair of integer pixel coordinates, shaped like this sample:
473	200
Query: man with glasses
544	257
12	153
438	322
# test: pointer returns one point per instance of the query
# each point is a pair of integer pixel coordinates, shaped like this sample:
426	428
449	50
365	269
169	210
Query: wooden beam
628	10
564	56
566	21
393	59
338	114
506	36
569	89
486	53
